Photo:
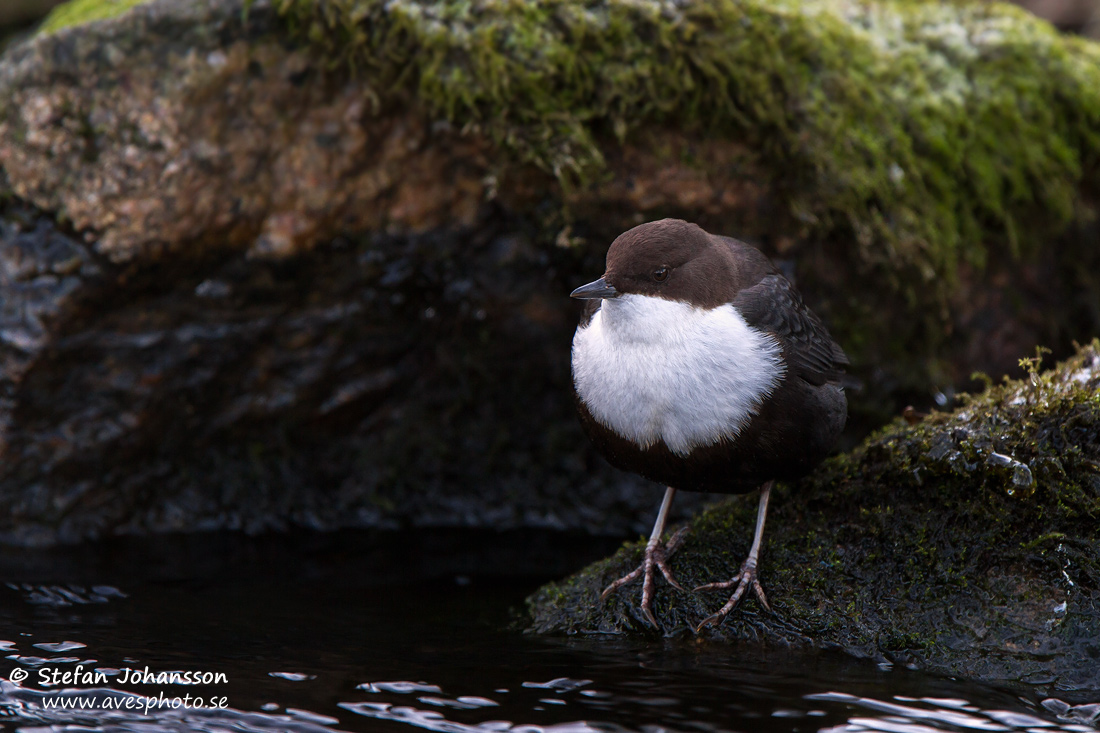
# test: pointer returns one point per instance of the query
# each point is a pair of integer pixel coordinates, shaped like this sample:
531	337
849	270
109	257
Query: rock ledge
968	543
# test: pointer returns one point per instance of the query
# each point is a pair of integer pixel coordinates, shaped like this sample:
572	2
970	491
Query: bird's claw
745	577
656	556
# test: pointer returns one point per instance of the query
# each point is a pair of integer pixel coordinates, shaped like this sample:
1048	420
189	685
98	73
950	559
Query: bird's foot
745	577
656	557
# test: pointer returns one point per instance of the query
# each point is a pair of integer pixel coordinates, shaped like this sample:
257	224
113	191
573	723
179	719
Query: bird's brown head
671	259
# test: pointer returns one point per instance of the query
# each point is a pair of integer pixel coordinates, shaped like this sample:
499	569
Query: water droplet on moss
1021	476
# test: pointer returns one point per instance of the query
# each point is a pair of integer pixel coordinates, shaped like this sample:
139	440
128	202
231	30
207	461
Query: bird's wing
773	305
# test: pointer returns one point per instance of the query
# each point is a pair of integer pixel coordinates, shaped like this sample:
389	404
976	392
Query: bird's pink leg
656	556
747	575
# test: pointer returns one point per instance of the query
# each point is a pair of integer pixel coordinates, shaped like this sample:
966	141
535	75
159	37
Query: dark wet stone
317	391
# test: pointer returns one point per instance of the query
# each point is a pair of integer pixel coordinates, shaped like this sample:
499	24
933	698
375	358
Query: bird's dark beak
597	289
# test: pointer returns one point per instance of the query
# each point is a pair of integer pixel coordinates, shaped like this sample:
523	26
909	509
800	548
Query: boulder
306	263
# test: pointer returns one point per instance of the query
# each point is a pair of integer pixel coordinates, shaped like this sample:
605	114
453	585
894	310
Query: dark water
405	632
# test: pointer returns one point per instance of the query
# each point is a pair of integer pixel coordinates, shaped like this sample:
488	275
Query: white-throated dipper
697	365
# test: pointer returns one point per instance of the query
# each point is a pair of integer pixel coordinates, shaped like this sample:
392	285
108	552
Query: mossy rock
968	543
928	138
918	166
915	154
933	134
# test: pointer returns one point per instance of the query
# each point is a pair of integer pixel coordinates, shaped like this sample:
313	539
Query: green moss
923	545
923	130
78	12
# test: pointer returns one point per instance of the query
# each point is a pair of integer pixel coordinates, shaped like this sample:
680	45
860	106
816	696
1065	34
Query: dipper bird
697	365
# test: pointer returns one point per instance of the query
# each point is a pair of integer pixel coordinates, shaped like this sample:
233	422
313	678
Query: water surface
412	631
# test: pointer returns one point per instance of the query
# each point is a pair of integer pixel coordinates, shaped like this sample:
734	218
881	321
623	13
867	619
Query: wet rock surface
967	543
385	382
191	126
245	287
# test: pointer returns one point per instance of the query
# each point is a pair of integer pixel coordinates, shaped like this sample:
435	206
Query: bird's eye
660	274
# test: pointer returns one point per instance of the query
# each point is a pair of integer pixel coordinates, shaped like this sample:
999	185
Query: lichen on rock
968	543
77	12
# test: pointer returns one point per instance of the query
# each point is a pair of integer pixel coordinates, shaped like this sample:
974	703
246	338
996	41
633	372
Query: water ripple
60	710
1087	714
615	706
936	715
60	646
66	595
292	676
434	721
399	687
561	684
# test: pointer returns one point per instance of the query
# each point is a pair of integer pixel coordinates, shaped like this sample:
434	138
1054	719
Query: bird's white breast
659	370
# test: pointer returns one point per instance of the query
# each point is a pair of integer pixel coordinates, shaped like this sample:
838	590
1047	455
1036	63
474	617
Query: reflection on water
926	714
424	706
310	637
28	709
